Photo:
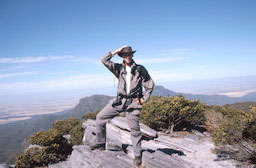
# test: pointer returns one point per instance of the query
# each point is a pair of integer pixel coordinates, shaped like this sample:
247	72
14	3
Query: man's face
128	58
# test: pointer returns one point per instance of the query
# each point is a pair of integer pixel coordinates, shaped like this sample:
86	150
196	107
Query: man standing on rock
130	98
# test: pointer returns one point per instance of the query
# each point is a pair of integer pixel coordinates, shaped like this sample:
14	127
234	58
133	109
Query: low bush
238	128
46	138
35	156
214	117
90	115
249	131
233	125
29	158
172	113
55	147
77	134
64	126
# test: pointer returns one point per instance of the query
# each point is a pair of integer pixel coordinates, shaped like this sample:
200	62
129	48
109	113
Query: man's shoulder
141	68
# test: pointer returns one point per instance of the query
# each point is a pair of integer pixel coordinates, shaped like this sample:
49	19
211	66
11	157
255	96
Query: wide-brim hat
126	50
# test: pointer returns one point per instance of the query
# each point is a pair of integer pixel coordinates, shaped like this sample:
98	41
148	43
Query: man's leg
106	114
133	118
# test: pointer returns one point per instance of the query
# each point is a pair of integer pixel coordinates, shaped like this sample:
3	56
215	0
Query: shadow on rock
169	151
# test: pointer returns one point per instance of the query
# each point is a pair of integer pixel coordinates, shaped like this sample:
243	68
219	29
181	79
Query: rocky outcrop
4	165
159	150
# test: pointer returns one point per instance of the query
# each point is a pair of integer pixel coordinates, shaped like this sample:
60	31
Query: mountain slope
88	105
13	135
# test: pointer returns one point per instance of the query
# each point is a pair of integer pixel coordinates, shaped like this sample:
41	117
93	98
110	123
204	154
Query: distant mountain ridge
208	99
88	105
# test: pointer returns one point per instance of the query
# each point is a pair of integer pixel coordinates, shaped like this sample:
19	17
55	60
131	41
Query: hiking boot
137	161
98	146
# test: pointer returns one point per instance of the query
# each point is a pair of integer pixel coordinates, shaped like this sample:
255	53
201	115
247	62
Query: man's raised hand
118	50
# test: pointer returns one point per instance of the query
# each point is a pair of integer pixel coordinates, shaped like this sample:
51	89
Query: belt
127	102
128	97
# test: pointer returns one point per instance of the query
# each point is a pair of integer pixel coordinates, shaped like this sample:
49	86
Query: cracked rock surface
159	150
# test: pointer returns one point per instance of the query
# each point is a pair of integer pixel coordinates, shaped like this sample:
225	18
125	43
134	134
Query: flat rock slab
82	156
190	149
158	159
121	122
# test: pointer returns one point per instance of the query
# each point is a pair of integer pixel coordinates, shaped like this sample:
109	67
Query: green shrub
55	147
252	124
238	128
64	126
46	138
29	158
35	157
250	131
214	117
77	134
90	115
172	112
233	125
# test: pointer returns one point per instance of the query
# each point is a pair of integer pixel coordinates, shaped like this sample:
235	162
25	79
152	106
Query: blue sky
56	45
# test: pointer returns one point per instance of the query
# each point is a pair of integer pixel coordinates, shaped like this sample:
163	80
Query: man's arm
113	67
147	83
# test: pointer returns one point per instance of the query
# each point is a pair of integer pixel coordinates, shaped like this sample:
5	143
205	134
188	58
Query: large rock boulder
89	137
118	133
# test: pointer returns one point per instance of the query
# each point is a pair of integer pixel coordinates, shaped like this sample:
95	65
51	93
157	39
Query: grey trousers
132	116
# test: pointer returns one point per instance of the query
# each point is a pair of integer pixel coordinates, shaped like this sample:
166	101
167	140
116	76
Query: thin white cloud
163	56
158	60
70	82
86	60
11	68
177	52
33	59
16	74
79	59
194	73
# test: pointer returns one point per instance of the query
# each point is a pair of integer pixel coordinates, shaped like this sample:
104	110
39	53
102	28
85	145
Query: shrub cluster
90	115
77	133
55	147
214	116
235	127
172	113
232	125
46	138
65	126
